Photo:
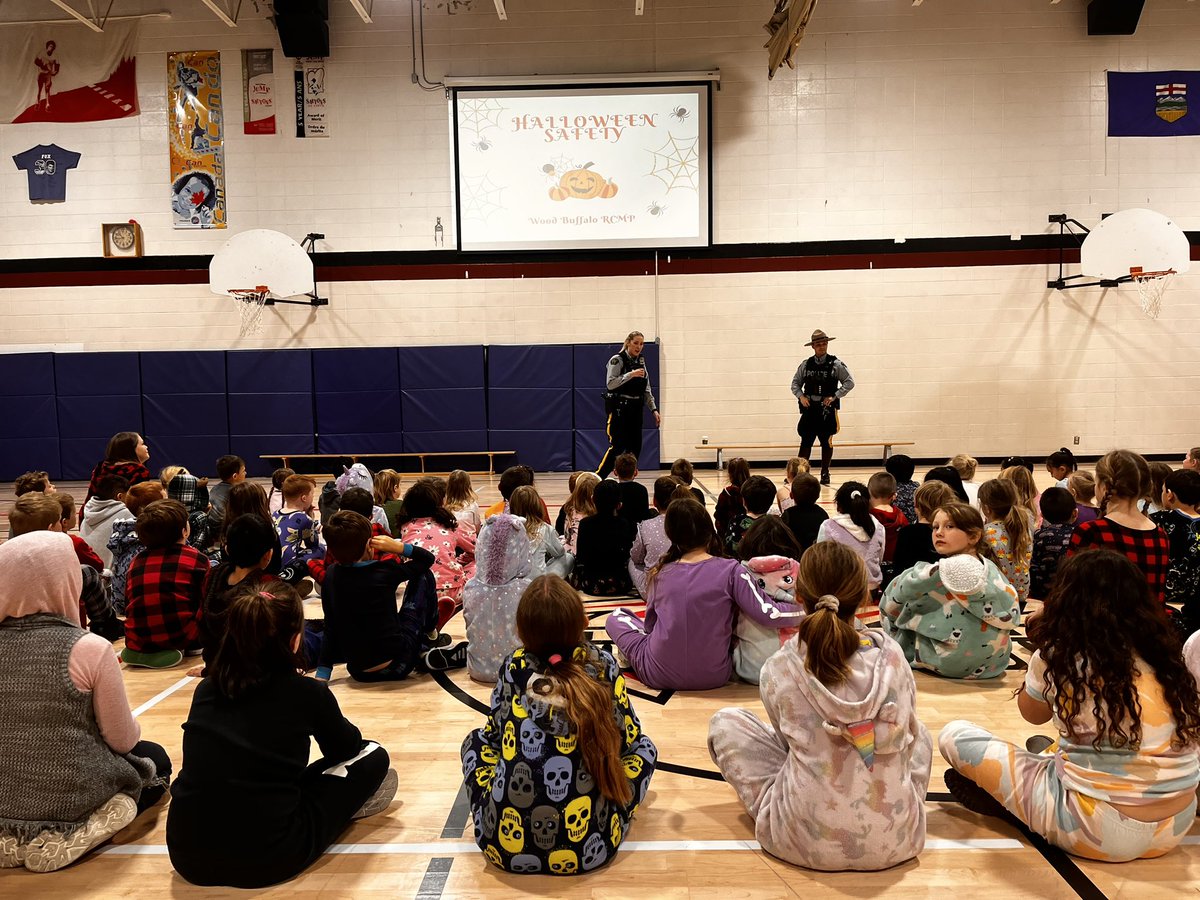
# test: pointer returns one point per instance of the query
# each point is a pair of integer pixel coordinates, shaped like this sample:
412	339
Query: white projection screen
563	168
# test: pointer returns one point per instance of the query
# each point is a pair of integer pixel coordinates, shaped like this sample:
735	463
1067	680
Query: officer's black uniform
624	398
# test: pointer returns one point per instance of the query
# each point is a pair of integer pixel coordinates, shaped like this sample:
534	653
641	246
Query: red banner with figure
56	73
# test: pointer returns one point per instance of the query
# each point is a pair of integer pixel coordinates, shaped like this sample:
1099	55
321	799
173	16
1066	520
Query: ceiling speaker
1114	16
303	27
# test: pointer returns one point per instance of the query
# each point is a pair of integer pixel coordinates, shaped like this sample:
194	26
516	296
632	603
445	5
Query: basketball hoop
1150	287
250	302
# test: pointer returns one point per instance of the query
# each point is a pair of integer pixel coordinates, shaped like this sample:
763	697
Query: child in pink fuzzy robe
423	521
837	779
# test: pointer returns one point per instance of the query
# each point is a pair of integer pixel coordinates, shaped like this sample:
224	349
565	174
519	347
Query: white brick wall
951	119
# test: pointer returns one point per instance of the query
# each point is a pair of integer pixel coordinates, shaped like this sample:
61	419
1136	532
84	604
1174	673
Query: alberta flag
1153	104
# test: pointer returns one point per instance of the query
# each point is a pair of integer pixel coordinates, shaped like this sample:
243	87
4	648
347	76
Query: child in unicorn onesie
359	476
503	560
837	779
954	617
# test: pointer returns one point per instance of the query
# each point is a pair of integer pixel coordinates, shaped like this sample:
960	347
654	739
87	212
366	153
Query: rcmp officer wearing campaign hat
819	385
627	390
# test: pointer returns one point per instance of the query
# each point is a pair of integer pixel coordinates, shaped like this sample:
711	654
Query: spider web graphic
480	115
481	198
677	163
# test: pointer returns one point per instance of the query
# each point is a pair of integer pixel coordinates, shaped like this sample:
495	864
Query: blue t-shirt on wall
47	166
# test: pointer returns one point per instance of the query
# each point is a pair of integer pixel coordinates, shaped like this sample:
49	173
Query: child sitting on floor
758	495
901	468
579	505
246	746
106	506
797	465
914	543
603	545
805	517
124	543
462	500
683	470
275	495
426	523
1180	522
1050	542
769	553
386	493
651	543
192	492
556	774
685	642
1082	485
882	488
1009	531
954	617
67	522
299	533
837	779
75	769
855	527
548	553
1120	781
165	590
502	566
362	627
359	476
231	470
635	499
729	501
33	481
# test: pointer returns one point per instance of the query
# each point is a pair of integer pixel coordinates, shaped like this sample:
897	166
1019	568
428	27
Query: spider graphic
680	114
482	144
656	209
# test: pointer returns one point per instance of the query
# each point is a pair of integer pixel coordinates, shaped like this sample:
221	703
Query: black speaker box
1114	16
303	27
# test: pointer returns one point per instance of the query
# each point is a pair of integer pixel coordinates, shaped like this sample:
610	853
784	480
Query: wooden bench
357	457
722	446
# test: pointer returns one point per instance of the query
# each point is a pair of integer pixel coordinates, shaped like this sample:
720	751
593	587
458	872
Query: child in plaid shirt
165	590
1050	542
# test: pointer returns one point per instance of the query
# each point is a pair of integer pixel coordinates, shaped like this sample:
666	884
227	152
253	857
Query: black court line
676	769
434	882
460	812
459	694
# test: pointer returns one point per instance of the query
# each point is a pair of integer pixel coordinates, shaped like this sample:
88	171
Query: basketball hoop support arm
1060	284
309	245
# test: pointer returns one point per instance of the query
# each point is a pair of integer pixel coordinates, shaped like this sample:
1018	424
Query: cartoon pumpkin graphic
583	184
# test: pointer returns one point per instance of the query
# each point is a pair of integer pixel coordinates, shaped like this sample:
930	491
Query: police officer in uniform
820	384
627	389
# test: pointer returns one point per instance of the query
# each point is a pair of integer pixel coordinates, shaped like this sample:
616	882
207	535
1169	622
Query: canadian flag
68	73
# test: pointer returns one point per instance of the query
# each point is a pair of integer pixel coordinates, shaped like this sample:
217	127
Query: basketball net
1150	287
250	303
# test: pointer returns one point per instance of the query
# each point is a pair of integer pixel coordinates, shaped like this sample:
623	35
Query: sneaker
1039	743
162	659
975	798
12	852
452	656
49	851
824	478
436	638
305	587
382	798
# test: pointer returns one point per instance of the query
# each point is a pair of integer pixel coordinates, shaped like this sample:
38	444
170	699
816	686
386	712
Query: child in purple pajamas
686	640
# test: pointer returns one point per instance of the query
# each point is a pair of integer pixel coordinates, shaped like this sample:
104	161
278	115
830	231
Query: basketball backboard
261	257
1134	239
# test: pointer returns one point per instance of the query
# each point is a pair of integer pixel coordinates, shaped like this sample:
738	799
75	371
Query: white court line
440	848
163	695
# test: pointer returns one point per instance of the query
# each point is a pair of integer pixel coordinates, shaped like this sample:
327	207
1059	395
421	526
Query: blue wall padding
441	367
545	451
176	414
197	452
540	366
78	456
590	445
269	371
270	414
26	374
355	369
467	441
99	417
97	375
530	409
29	435
184	372
454	409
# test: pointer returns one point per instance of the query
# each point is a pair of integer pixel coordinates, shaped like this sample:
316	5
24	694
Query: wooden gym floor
691	838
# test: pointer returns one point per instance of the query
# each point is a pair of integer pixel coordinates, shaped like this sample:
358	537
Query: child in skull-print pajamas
535	806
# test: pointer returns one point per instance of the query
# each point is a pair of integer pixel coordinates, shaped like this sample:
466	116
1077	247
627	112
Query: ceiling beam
501	11
364	8
93	21
638	7
227	13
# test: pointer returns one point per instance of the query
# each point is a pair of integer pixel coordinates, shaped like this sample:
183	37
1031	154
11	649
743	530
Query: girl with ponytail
246	782
855	527
557	772
844	758
1009	532
955	616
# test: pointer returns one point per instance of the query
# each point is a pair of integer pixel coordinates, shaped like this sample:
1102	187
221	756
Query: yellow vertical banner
196	122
